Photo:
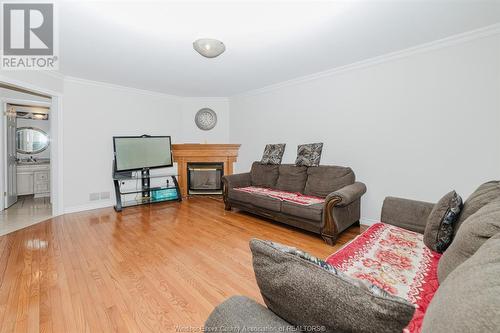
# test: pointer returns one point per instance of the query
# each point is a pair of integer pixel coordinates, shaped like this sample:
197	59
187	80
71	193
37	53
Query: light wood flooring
159	268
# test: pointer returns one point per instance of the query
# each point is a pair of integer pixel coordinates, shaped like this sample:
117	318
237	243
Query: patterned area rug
297	198
396	260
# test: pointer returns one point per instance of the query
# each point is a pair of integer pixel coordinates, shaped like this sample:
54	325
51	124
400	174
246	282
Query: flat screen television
142	152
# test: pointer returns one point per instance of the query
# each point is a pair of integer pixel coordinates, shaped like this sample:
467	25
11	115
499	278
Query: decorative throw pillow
306	291
309	154
441	222
273	153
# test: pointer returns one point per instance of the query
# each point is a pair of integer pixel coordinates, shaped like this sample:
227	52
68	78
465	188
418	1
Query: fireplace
205	177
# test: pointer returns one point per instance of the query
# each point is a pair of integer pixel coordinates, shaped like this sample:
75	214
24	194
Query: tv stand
166	190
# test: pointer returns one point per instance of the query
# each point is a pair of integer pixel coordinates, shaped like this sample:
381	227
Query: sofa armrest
239	312
237	180
342	209
347	194
234	181
408	214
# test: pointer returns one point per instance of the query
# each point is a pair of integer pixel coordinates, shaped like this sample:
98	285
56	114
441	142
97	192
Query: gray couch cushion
441	222
261	201
303	293
469	299
264	175
483	195
239	313
291	178
478	228
325	179
311	212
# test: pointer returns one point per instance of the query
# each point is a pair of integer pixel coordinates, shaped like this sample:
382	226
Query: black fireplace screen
205	177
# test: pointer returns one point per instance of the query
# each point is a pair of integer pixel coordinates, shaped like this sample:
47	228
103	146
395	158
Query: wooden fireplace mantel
193	152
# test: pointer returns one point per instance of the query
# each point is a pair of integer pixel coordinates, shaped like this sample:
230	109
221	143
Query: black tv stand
146	193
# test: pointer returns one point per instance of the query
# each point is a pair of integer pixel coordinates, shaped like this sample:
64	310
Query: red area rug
396	260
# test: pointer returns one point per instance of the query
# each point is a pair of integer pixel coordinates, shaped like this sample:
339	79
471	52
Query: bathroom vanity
33	178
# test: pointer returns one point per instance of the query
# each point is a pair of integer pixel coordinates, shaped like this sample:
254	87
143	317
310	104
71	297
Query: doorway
26	159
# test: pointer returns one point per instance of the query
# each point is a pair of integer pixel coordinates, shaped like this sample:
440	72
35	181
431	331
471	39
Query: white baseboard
89	206
109	203
368	222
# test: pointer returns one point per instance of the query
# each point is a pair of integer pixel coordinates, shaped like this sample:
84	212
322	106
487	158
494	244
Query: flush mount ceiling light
208	47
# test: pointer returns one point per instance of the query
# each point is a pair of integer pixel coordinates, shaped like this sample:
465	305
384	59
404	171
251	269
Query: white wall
94	113
416	127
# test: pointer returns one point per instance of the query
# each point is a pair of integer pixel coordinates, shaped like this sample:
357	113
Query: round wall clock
205	119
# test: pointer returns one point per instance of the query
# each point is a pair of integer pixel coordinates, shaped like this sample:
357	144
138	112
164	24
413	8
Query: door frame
56	142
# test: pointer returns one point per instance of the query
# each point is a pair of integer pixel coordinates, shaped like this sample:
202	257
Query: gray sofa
468	297
336	184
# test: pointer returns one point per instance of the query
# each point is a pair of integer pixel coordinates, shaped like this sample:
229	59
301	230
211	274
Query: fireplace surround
185	153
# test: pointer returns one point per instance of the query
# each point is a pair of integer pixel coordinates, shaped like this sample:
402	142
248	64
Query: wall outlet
94	196
105	195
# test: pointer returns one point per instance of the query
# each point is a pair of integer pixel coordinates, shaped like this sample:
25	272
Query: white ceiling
148	45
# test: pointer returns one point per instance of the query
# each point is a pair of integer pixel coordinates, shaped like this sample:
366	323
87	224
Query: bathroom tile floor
27	211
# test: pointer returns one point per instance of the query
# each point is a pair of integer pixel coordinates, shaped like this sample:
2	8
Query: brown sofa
468	297
336	184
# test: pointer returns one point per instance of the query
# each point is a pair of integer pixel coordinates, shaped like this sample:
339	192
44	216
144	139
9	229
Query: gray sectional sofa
336	184
468	296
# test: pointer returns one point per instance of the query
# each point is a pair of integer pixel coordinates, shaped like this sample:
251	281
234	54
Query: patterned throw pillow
306	291
440	226
309	154
273	153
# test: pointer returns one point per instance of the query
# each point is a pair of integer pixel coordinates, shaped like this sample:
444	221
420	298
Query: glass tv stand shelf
143	187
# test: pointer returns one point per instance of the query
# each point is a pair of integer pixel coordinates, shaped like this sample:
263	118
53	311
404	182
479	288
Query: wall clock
205	119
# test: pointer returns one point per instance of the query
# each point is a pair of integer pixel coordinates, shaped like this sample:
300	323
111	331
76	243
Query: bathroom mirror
31	140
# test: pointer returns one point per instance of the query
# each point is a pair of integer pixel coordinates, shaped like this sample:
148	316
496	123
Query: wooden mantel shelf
194	152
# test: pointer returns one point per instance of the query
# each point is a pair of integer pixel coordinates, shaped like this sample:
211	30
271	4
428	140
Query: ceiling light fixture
208	47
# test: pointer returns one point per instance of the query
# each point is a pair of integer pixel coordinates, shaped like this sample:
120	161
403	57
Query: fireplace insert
205	178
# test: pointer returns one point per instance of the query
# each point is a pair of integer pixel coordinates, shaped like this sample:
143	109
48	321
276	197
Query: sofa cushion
273	153
310	212
325	179
309	154
241	314
441	222
291	178
306	291
396	260
478	228
264	175
483	195
469	299
256	200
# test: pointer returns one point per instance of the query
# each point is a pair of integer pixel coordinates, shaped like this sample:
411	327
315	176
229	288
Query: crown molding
422	48
73	79
28	86
434	45
55	74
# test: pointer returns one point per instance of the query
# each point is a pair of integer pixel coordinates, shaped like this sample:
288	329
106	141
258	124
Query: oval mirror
31	140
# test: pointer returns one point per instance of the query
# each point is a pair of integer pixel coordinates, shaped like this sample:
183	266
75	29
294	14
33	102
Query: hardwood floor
147	269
